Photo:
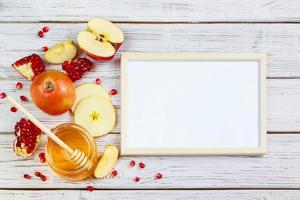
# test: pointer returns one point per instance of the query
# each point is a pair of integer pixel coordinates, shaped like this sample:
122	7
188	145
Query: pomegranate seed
137	179
98	81
114	173
158	175
2	95
132	163
42	155
13	109
45	29
40	34
23	98
43	178
44	49
27	176
38	174
19	85
42	160
142	165
90	188
113	92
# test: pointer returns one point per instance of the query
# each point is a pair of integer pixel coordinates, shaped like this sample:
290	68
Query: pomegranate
45	29
40	34
132	163
53	92
77	67
113	92
27	137
141	165
29	67
90	188
114	173
158	176
137	179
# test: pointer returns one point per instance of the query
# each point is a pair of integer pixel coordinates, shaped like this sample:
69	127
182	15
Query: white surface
193	104
278	169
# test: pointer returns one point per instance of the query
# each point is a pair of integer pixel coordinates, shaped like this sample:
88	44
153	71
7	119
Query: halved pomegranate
27	137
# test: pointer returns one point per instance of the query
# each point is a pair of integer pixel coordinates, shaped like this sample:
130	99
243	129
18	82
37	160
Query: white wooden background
266	26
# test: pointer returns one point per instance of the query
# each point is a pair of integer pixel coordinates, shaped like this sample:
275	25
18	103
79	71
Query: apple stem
49	87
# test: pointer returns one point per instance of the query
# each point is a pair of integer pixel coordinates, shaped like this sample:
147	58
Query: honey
75	137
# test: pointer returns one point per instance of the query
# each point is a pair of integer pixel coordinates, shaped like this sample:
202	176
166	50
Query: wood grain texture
277	169
283	105
283	95
34	195
279	41
152	194
153	11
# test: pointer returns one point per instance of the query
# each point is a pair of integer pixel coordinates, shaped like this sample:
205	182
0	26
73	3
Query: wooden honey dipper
76	155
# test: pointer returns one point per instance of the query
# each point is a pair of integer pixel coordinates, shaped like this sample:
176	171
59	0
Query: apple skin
53	92
101	58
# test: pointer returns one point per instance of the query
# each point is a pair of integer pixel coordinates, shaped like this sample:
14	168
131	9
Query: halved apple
101	40
107	161
96	114
89	89
61	52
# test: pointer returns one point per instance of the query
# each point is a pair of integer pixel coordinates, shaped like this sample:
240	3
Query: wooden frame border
261	58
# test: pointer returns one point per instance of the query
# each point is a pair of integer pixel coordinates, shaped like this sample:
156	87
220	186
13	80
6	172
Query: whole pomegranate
53	92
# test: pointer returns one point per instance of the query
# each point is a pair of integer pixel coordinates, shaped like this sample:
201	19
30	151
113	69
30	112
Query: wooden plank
153	11
37	195
18	40
277	169
283	105
152	194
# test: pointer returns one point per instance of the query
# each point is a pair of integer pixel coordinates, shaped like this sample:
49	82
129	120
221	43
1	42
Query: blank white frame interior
193	104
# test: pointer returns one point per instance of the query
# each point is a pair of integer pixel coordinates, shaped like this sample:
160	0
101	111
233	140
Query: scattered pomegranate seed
38	174
132	163
2	95
113	92
45	29
40	34
158	176
19	85
23	98
98	81
142	165
27	176
43	178
44	49
13	109
137	179
42	160
90	188
42	157
114	173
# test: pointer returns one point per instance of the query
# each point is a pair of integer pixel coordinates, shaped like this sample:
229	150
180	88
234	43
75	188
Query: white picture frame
244	81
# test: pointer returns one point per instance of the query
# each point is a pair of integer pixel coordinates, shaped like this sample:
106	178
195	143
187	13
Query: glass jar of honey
75	137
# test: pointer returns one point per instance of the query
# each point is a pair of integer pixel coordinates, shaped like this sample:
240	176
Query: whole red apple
53	92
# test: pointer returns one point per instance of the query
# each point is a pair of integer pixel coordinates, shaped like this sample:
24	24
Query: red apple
53	92
101	40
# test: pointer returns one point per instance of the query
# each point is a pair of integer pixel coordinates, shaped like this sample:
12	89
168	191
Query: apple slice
101	40
96	114
61	52
107	161
89	89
